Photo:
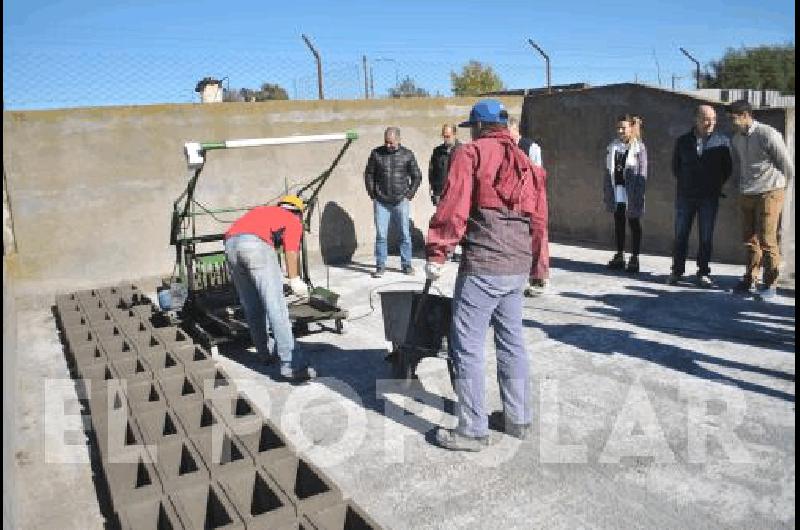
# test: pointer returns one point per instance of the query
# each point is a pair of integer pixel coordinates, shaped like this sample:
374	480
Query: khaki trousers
760	216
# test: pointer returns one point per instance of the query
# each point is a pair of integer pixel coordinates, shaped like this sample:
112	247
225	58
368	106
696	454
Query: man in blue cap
491	196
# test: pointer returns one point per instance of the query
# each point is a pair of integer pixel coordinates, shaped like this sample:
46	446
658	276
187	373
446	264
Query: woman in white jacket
624	188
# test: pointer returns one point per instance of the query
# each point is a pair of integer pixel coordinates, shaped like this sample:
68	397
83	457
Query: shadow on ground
696	314
366	372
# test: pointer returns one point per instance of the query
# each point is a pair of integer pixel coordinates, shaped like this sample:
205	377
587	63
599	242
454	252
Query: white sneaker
704	281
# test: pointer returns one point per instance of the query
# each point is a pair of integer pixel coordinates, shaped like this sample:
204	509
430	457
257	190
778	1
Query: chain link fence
65	78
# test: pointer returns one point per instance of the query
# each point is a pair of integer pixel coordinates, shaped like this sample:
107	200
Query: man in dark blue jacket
701	164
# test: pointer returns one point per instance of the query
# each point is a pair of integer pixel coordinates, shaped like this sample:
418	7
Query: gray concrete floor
655	407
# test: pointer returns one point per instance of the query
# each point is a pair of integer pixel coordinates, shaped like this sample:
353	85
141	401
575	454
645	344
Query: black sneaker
633	264
744	287
408	269
674	278
378	272
617	263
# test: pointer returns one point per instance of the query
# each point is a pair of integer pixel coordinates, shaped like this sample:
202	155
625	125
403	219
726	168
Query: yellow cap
294	201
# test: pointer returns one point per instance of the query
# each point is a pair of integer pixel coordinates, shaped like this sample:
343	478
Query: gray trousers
478	302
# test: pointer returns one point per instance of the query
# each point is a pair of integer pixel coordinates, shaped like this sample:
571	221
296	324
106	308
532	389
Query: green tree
268	91
407	88
475	79
761	68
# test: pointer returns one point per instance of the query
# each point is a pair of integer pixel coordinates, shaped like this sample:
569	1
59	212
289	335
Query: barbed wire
69	78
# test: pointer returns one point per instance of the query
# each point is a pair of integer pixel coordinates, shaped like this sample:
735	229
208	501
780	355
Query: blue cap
486	111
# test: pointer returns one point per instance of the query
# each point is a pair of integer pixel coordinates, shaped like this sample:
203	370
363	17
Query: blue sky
95	52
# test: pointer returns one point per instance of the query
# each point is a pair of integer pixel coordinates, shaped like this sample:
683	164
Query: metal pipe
696	64
546	63
319	65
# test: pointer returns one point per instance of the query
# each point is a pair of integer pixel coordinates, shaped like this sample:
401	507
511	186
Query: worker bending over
250	245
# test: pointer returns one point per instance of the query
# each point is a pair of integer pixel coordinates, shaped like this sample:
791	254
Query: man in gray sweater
763	169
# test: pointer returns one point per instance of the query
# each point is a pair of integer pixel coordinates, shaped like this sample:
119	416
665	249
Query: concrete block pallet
179	445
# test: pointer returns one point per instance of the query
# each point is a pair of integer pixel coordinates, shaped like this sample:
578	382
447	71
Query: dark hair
488	127
740	106
626	117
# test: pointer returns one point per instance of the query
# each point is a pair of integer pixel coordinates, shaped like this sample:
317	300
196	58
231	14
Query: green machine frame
211	308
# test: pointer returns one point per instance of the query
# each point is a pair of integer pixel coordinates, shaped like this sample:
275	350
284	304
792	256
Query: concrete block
149	344
197	415
196	359
87	356
205	506
308	487
144	396
132	369
78	336
173	337
238	412
134	326
116	431
107	399
157	513
215	384
341	516
97	311
133	481
258	499
179	388
87	295
98	374
159	425
118	347
179	464
145	311
220	450
264	443
65	300
164	363
72	315
107	329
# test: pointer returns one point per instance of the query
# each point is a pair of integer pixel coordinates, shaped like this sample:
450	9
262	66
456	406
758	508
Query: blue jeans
384	214
685	211
478	302
258	278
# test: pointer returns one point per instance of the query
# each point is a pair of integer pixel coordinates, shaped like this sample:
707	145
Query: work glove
299	287
433	270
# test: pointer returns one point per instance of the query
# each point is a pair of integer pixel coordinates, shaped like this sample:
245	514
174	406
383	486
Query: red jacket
488	174
272	224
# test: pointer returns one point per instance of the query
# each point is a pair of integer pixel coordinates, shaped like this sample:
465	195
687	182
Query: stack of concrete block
180	446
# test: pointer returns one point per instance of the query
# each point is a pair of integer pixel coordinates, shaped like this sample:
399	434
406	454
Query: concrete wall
574	129
9	401
92	189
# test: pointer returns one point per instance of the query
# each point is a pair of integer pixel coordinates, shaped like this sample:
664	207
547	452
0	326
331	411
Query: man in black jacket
392	177
701	164
440	161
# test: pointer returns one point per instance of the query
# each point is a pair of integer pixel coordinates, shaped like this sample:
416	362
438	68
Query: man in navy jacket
701	164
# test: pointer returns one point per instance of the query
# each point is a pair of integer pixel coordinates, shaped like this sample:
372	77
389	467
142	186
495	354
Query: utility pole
371	83
696	64
319	65
546	62
366	78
